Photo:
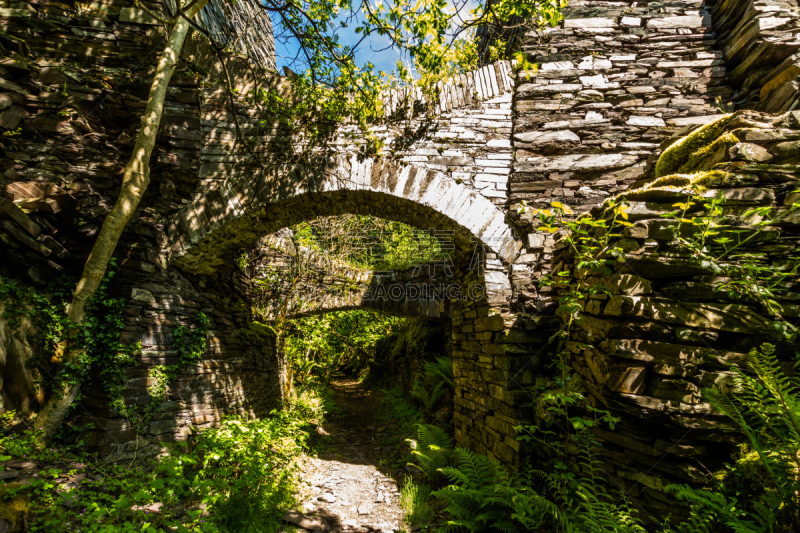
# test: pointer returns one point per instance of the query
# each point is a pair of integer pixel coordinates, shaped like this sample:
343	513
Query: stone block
647	122
670	354
490	323
598	22
685	21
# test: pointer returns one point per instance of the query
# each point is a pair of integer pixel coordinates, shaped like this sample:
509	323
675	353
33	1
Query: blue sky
376	49
372	49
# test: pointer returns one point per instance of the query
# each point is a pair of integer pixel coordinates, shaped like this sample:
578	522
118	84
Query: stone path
343	489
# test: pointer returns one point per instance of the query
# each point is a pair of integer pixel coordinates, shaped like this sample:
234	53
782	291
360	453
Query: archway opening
362	312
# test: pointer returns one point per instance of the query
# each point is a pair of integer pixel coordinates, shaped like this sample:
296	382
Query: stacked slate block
760	41
613	82
669	327
74	83
616	84
470	88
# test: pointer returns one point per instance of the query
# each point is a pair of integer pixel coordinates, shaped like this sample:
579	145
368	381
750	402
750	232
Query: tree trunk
134	184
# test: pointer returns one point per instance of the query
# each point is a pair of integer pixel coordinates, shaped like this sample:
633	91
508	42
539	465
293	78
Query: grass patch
414	500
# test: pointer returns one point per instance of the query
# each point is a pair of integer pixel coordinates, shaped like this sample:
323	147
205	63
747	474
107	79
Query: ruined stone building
616	84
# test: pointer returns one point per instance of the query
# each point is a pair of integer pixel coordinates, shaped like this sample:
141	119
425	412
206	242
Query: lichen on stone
678	155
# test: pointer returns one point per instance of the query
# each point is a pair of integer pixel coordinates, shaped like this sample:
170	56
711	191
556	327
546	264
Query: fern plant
711	509
432	451
580	500
434	382
482	496
766	407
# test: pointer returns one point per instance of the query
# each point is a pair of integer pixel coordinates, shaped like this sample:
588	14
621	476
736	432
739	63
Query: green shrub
238	477
435	382
766	407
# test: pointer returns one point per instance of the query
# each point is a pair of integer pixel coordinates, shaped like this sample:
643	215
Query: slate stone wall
617	84
73	88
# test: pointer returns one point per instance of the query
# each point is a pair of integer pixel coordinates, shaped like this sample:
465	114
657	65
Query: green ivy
191	344
95	340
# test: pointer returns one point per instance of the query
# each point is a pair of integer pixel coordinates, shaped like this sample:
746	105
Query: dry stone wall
760	40
670	328
73	90
616	84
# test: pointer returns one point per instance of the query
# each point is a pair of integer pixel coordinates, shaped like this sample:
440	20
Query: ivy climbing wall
73	91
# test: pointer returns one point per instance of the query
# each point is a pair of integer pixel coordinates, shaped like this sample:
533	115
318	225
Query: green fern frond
431	451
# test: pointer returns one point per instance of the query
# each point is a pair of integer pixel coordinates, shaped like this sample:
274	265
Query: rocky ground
346	488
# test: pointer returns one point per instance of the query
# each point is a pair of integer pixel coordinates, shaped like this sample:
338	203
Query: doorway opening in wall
363	326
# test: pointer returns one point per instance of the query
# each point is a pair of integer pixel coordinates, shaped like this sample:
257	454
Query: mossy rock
674	185
258	333
13	509
263	329
696	148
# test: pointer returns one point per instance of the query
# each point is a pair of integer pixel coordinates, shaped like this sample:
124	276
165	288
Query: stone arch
237	212
426	310
423	299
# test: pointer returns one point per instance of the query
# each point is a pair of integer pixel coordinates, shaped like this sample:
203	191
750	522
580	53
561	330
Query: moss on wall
691	149
14	509
688	183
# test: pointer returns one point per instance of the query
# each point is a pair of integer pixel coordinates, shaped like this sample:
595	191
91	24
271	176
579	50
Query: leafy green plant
482	496
237	477
317	346
432	451
720	247
397	409
766	407
50	334
434	382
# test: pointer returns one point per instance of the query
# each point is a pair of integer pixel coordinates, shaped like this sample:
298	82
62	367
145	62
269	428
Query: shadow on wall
400	356
18	385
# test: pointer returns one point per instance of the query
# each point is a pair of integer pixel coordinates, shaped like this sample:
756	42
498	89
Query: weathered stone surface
576	162
537	137
645	121
598	22
10	210
750	152
670	354
688	21
731	317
